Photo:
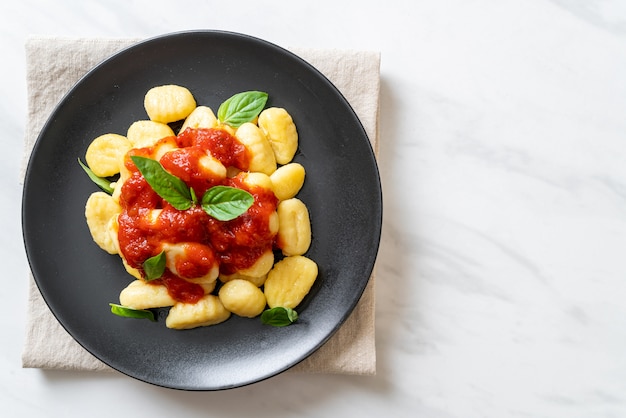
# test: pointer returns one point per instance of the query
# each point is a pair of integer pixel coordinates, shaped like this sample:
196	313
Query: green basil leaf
103	183
225	203
154	266
279	316
241	108
166	185
127	312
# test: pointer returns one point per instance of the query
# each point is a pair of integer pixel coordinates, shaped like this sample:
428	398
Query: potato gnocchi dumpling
179	258
105	154
260	267
262	156
146	133
140	294
169	103
175	255
100	210
207	311
242	298
290	281
277	125
253	179
294	227
201	117
287	180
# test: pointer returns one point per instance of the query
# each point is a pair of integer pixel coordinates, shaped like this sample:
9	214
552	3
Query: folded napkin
54	65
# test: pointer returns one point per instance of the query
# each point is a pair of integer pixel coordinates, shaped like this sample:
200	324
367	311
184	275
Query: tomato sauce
148	222
222	145
180	289
198	261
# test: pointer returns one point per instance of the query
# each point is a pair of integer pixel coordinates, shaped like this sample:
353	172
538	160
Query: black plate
78	280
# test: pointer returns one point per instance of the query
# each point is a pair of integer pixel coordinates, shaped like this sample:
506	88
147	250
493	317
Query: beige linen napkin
54	65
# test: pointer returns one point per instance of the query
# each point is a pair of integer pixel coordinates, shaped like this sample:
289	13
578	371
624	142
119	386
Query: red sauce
240	242
222	145
180	289
184	163
235	245
198	261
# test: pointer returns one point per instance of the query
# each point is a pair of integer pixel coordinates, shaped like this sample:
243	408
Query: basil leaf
225	203
127	312
103	183
169	187
241	108
154	266
279	316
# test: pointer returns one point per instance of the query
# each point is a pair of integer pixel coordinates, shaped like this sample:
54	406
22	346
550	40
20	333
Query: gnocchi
287	180
142	295
277	125
294	227
242	298
263	159
260	267
146	133
105	153
100	211
169	103
207	311
200	117
141	225
290	281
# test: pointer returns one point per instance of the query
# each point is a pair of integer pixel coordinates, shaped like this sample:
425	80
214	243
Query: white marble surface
502	270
